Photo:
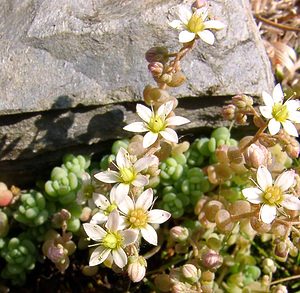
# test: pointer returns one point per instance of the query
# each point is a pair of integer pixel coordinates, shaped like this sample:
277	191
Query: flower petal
290	128
122	158
267	213
278	94
149	139
144	112
127	205
273	126
140	181
264	178
129	236
285	180
266	111
214	24
122	190
165	109
177	120
100	200
169	135
98	218
291	202
98	256
253	195
294	116
120	257
185	13
145	199
95	232
145	162
149	234
177	24
207	36
107	176
113	220
157	216
268	100
136	127
186	36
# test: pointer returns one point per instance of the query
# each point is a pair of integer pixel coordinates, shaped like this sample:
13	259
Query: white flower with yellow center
272	195
137	215
105	205
111	241
280	113
85	194
157	123
128	173
195	24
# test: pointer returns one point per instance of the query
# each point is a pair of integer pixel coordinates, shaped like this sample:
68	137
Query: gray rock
71	72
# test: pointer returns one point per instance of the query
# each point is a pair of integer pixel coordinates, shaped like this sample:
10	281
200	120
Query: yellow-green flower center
280	112
156	124
273	195
127	174
109	209
195	23
137	218
88	191
112	240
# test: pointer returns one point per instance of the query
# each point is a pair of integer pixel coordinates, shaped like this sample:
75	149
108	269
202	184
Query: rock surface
71	72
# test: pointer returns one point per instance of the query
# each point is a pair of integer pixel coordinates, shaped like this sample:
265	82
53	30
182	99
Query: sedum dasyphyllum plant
213	215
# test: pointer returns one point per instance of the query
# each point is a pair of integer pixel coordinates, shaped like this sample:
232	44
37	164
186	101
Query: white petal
108	176
149	234
98	218
285	180
214	24
145	162
278	93
144	112
292	105
291	202
98	256
145	199
100	200
290	128
129	236
149	139
95	232
268	100
294	116
186	36
266	111
273	126
122	158
169	135
165	109
113	221
177	24
185	13
140	181
127	205
253	195
177	120
121	191
267	213
120	257
264	178
158	216
81	199
113	196
86	178
136	127
207	36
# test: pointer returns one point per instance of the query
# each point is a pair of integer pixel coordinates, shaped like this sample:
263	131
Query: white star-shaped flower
280	113
85	194
111	241
156	123
272	195
128	173
137	215
195	24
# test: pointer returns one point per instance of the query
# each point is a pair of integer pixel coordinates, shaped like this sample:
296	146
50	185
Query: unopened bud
211	259
242	101
256	155
179	233
234	155
293	149
228	112
241	118
156	68
268	266
178	78
190	273
281	251
279	289
56	253
165	78
157	54
221	153
199	3
136	268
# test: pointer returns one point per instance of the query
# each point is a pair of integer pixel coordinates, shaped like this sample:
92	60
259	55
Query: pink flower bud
179	233
136	268
256	155
156	68
190	273
211	259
